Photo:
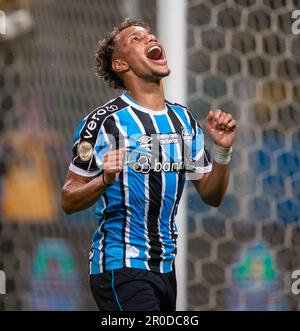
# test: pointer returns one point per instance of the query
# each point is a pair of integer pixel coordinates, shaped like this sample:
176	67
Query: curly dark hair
104	53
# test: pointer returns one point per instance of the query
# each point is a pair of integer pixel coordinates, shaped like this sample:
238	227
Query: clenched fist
221	127
113	165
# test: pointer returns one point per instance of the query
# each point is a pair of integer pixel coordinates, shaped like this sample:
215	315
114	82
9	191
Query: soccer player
132	155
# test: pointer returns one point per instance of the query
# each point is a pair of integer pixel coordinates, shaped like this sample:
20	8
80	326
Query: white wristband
222	155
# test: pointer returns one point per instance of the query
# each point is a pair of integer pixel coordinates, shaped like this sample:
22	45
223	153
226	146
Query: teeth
154	47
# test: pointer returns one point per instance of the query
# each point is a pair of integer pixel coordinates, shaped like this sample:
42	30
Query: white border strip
82	172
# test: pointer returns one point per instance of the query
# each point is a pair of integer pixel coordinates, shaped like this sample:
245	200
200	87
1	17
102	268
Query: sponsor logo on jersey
111	108
168	138
163	138
94	120
85	151
145	141
144	165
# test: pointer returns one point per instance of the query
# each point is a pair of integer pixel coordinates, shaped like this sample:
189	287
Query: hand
221	127
113	165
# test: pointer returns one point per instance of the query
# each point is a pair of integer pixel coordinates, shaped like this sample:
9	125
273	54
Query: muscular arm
79	193
212	186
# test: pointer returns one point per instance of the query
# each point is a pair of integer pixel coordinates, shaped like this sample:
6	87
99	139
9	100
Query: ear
120	65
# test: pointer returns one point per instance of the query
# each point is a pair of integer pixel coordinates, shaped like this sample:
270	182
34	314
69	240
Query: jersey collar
134	104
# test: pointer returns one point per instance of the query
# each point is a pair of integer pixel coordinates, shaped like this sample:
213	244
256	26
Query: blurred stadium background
242	58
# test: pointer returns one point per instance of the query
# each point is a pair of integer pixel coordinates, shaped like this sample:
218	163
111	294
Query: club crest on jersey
145	141
187	135
85	151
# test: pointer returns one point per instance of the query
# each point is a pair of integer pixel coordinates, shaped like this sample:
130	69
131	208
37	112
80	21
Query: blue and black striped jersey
136	214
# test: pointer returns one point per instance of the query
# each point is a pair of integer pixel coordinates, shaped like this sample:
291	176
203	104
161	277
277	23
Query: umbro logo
145	141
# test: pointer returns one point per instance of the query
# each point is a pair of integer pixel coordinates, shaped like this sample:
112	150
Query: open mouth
155	53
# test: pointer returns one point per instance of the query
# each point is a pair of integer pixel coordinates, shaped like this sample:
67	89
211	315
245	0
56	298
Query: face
139	53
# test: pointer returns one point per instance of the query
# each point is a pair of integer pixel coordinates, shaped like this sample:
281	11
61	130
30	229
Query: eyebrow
134	33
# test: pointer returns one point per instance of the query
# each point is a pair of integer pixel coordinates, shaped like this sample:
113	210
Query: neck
148	94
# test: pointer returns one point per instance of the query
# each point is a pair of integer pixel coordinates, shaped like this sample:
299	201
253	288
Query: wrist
222	155
104	181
